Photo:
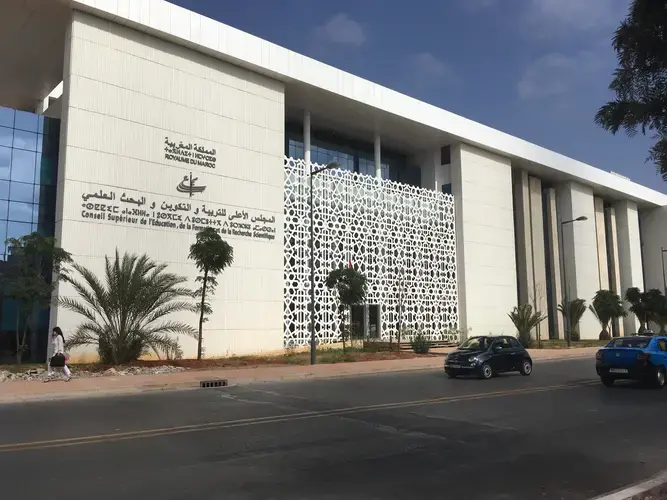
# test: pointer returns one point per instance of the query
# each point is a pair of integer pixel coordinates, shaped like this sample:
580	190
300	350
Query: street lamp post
566	304
663	251
312	173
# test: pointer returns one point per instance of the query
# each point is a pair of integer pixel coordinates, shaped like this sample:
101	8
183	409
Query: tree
660	315
640	80
644	305
34	268
351	287
607	306
125	315
575	311
211	255
525	320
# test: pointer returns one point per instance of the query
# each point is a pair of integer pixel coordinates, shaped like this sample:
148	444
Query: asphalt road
557	434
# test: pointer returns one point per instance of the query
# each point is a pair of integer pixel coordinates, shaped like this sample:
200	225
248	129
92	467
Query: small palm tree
125	314
607	306
211	255
644	305
352	287
575	311
525	320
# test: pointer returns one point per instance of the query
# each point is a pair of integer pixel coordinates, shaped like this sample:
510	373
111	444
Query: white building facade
170	122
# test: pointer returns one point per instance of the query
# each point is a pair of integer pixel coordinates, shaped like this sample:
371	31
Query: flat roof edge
179	25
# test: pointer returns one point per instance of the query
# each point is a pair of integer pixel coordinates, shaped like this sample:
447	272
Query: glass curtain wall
28	175
352	155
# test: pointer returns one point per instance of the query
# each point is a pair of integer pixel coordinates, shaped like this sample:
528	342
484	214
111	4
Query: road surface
558	434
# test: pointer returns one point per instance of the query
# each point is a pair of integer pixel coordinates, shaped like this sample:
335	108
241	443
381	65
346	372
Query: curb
654	486
194	384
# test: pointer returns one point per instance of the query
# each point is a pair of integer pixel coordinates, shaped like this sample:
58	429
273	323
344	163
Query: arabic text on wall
191	154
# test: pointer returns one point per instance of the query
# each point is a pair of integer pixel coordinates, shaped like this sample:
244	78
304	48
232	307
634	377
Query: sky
536	69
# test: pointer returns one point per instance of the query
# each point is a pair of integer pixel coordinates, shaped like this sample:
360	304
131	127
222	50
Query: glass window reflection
6	136
26	121
3	209
25	140
21	212
6	117
23	166
18	229
4	190
5	162
20	191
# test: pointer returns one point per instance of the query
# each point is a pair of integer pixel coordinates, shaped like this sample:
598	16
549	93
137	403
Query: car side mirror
498	348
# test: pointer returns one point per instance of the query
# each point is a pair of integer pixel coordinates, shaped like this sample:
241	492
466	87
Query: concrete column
485	246
523	237
539	297
601	235
629	254
306	138
529	233
579	251
555	292
654	239
378	156
612	259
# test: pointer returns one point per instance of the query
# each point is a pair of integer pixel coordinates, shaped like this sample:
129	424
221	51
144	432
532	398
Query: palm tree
644	305
525	320
607	306
125	314
211	255
575	311
351	287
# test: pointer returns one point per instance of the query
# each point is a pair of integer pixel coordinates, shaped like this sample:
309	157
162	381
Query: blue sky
537	69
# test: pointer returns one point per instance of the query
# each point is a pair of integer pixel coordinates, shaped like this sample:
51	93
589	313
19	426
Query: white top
57	345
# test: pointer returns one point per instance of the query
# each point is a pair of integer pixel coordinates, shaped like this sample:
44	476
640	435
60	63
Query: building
169	121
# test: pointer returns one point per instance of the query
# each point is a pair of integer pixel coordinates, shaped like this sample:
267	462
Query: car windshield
476	344
636	342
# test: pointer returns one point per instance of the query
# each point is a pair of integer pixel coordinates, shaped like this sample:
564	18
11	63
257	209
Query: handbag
58	360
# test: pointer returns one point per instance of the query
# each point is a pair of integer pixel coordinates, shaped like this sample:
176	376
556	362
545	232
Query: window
662	344
445	155
23	166
503	343
6	136
515	343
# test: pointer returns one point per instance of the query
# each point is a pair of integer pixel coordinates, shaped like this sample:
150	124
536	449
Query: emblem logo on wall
187	185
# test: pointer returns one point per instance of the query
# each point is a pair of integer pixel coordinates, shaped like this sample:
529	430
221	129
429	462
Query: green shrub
420	344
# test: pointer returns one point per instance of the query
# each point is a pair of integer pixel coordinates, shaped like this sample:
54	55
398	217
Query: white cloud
426	65
343	30
556	74
549	17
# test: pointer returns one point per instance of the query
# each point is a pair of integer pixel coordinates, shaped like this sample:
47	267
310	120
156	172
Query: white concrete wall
579	251
629	255
124	93
482	188
654	238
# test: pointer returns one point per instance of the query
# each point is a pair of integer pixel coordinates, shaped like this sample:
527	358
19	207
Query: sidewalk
22	391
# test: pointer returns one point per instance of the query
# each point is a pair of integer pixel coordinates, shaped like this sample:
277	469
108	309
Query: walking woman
58	359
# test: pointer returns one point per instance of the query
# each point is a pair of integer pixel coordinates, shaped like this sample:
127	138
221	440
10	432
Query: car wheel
607	381
485	371
526	368
452	374
659	380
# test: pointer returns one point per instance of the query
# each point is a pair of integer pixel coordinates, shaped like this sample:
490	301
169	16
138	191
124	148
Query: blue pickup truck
640	358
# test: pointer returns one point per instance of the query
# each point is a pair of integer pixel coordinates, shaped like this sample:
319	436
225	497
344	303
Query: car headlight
473	360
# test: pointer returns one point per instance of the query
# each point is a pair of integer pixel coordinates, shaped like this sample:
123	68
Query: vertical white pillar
614	268
629	255
553	248
306	138
378	156
579	251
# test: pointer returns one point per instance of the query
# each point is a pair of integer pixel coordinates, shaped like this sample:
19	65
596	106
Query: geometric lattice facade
401	237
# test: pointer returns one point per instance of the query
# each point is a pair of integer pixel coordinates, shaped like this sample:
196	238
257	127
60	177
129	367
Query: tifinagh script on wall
184	216
192	154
